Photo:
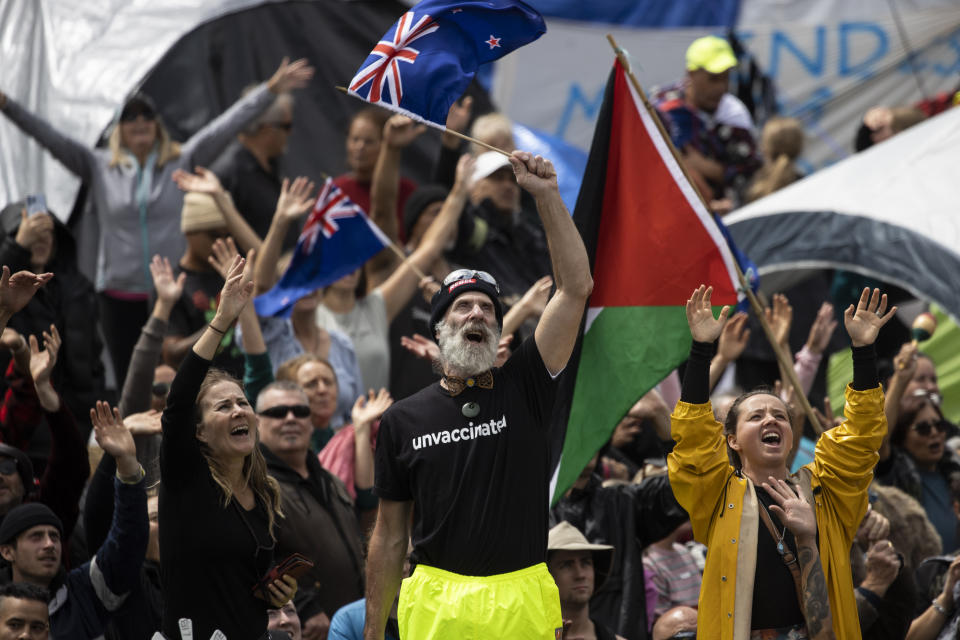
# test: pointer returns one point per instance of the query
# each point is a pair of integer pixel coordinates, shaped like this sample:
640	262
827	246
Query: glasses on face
8	466
129	115
465	274
281	411
160	389
924	428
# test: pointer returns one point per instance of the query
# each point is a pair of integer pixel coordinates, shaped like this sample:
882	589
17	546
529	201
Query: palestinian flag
651	243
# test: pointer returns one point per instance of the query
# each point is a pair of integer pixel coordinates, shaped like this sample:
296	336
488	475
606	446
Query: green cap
710	53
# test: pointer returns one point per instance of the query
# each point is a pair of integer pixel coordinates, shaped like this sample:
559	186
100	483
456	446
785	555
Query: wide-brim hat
566	537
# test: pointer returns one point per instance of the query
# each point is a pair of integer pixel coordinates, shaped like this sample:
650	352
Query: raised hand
168	289
290	75
145	423
703	326
43	362
369	408
503	350
16	290
822	329
401	130
110	432
536	297
793	511
421	347
236	293
459	115
12	340
428	286
32	228
203	181
905	362
826	417
534	173
296	198
734	337
863	323
953	574
222	253
780	317
873	527
465	165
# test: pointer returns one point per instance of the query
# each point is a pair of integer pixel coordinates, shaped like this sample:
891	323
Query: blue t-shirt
938	504
347	623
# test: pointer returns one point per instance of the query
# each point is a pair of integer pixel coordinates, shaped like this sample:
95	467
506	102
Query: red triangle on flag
656	241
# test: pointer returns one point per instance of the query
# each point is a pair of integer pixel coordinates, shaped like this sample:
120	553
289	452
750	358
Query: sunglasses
129	115
924	428
160	388
281	411
8	466
465	274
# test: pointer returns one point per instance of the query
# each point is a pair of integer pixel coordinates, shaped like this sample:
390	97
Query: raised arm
846	455
207	143
366	410
137	387
904	368
402	283
531	305
398	133
206	181
76	157
557	330
296	198
16	291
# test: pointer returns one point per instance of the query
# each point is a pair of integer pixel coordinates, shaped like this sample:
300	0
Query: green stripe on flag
626	352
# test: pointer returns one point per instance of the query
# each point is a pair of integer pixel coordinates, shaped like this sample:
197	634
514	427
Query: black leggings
122	321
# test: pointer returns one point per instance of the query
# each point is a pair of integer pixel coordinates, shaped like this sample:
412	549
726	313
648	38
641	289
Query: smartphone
36	203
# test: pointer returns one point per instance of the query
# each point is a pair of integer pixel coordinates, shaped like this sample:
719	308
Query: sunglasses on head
281	411
465	274
924	428
8	466
132	113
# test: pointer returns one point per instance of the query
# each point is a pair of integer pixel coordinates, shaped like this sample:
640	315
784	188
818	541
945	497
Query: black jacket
320	589
67	301
629	517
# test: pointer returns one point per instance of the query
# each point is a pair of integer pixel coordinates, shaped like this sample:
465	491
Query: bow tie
455	385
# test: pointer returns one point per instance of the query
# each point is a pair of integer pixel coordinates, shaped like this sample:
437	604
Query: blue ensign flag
336	240
424	62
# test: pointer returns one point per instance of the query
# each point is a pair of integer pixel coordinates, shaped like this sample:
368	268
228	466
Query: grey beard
462	358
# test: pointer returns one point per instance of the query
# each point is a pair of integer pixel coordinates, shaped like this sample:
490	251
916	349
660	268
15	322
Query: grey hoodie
127	239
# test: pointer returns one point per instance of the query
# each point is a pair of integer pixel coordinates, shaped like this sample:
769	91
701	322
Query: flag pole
784	359
481	143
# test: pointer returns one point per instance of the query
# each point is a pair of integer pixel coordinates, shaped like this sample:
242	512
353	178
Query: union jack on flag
425	61
336	240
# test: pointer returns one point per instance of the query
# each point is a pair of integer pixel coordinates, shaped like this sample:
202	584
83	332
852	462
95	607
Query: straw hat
566	537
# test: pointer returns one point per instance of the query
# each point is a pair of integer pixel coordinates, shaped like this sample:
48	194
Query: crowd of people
377	464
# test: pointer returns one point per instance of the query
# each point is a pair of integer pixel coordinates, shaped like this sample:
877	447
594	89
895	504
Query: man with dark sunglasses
319	521
466	460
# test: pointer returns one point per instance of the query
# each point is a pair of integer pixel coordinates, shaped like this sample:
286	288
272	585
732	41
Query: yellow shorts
522	604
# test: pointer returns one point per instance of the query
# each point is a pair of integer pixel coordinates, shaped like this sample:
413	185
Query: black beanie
24	466
443	298
21	518
418	201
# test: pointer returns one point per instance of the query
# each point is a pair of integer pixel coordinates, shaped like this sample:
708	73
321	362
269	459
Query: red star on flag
493	41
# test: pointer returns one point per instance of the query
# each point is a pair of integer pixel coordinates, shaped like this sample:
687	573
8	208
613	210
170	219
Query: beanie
200	213
443	298
417	203
21	518
24	466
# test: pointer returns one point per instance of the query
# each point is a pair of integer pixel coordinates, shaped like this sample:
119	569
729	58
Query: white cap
487	163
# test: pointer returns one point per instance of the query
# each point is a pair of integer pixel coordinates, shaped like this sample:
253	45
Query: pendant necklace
470	409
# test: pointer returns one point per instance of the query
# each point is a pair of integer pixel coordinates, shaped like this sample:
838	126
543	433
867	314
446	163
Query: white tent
892	212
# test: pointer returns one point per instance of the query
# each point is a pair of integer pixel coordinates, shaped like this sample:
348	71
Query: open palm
703	326
864	323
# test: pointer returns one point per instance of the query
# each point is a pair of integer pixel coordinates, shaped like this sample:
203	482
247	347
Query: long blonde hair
169	148
264	486
781	143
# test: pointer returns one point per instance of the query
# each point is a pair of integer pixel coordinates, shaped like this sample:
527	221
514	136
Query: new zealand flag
425	61
337	239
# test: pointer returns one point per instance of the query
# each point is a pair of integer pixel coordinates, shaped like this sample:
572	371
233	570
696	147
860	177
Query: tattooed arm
797	515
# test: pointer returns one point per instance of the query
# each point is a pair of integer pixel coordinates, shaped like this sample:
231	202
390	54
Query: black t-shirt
196	307
479	484
211	555
773	577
